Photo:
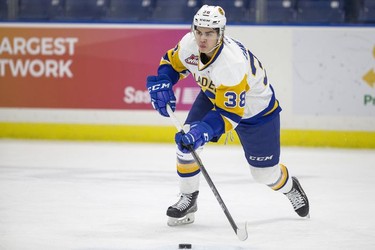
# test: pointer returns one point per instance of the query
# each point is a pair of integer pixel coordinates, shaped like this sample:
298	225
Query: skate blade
187	219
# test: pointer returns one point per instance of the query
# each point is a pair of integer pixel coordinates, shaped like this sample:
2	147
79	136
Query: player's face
207	39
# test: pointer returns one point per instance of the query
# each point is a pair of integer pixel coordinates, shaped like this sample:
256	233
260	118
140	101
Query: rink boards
87	81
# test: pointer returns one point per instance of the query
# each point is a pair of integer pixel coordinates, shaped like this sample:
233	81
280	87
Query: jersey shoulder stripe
172	59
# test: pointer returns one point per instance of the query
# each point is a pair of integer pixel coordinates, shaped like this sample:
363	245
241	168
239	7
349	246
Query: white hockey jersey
233	79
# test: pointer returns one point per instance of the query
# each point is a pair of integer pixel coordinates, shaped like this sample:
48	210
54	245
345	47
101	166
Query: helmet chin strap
215	47
220	41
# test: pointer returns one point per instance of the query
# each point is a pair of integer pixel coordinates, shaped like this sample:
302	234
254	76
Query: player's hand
199	134
161	92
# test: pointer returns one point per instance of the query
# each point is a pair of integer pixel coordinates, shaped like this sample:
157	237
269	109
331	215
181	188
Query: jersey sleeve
171	65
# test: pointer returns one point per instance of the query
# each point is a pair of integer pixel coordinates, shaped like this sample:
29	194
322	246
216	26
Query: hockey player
235	95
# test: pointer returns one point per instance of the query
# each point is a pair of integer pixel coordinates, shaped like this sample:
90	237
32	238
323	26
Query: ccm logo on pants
260	158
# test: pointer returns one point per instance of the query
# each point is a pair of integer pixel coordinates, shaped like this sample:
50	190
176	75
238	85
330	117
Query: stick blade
242	233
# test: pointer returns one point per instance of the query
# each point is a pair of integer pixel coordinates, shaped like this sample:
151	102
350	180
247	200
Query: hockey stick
241	233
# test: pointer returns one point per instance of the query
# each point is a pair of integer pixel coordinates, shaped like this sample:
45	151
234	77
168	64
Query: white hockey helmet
211	17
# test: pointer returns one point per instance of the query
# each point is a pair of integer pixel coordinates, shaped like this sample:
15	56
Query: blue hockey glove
199	134
161	92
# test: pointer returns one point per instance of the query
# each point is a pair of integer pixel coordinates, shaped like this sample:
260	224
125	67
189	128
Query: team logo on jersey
193	60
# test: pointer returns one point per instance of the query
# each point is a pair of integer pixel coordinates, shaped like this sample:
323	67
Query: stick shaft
204	172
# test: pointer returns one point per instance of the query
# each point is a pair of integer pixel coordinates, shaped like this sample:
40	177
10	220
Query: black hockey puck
184	246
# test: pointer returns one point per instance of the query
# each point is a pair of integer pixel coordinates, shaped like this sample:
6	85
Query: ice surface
113	196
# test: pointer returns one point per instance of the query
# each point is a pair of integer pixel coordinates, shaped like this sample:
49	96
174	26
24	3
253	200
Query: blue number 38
233	100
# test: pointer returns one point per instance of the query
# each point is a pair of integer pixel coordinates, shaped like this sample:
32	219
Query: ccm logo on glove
159	86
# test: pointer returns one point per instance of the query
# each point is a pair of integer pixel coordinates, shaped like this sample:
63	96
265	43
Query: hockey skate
183	211
298	199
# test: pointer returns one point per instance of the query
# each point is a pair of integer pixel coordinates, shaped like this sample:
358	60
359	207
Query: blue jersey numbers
234	100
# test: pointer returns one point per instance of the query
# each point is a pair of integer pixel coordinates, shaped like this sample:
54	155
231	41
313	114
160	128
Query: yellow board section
126	133
318	138
88	132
